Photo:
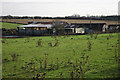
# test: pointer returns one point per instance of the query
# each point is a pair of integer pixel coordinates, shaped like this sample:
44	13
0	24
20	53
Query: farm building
34	29
113	28
90	27
38	28
42	28
72	29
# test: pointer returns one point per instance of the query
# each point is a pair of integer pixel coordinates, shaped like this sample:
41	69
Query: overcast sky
59	7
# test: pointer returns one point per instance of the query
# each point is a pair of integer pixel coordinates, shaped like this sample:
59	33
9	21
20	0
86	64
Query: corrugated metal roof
37	25
69	26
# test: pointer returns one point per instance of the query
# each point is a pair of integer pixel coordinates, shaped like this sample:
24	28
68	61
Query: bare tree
58	27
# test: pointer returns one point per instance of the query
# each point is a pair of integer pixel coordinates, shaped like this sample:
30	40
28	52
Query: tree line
75	16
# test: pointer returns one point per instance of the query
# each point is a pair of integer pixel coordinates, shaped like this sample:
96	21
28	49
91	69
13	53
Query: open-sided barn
73	29
113	28
91	27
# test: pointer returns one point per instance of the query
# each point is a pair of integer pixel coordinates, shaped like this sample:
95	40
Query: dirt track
25	21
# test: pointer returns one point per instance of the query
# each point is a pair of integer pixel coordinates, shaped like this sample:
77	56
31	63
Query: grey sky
59	7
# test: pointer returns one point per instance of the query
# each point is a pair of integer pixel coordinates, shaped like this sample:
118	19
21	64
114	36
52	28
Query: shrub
39	42
72	75
57	63
96	36
56	43
38	75
14	57
3	41
50	44
91	35
89	45
61	75
45	61
43	76
40	64
6	60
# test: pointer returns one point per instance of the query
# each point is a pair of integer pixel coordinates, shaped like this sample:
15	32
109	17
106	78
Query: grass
10	25
101	61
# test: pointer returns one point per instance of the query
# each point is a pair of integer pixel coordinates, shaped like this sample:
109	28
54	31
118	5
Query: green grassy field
10	25
78	56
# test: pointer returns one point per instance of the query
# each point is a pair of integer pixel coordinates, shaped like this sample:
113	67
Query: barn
113	28
34	29
38	28
90	27
42	28
73	29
